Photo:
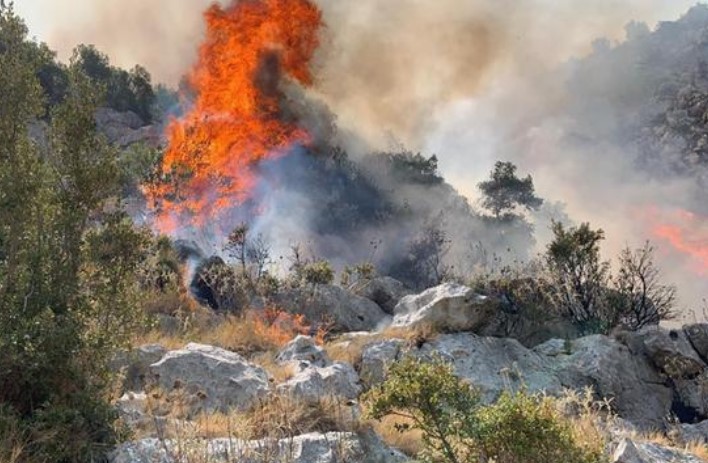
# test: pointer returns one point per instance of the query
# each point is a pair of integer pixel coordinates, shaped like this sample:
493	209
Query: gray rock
671	352
131	409
135	365
495	364
308	448
693	393
448	307
335	305
376	358
690	433
698	336
313	383
222	378
629	451
385	291
554	348
303	349
637	391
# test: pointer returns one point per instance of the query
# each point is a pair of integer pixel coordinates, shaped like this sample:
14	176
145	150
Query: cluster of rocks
647	376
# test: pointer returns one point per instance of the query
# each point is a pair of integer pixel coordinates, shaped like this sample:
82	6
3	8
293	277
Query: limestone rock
495	364
698	336
308	448
629	451
385	291
333	304
135	365
303	348
312	383
376	358
448	307
637	391
671	352
222	378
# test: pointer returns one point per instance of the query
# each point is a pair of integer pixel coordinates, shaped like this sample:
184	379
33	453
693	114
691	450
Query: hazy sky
162	34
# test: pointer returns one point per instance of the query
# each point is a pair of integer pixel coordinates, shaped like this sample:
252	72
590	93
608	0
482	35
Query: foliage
504	192
126	91
67	285
319	272
360	272
579	275
521	428
430	396
457	428
639	298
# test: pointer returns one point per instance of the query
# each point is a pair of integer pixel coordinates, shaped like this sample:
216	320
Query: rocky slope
651	379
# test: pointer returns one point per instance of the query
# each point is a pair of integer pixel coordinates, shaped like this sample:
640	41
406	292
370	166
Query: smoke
471	80
391	67
162	35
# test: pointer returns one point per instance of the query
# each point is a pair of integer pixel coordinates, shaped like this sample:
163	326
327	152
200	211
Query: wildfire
687	233
236	119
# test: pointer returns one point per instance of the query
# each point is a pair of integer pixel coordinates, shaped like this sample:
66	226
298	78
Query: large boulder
629	451
135	364
303	349
698	337
376	358
223	379
495	364
308	448
638	393
670	351
385	291
694	433
448	307
334	305
312	383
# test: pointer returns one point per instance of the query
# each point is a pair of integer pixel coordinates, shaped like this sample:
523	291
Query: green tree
457	428
430	398
580	276
504	192
66	264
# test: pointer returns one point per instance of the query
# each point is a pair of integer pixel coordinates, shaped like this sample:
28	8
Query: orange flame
236	120
687	233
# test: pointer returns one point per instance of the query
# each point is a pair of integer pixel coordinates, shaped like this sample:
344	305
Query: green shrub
318	273
429	395
521	428
457	428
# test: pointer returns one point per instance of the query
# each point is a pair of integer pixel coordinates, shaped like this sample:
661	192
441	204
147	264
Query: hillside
208	276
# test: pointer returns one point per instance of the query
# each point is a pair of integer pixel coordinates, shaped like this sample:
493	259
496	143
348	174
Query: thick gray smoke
472	81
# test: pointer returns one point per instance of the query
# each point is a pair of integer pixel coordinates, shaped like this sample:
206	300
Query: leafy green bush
318	273
521	428
457	428
68	263
429	395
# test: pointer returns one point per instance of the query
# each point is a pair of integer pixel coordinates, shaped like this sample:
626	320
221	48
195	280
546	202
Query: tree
639	298
457	428
433	400
580	276
504	192
66	264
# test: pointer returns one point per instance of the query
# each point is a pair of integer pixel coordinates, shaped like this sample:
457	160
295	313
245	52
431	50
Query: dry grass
348	348
254	332
408	441
278	416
